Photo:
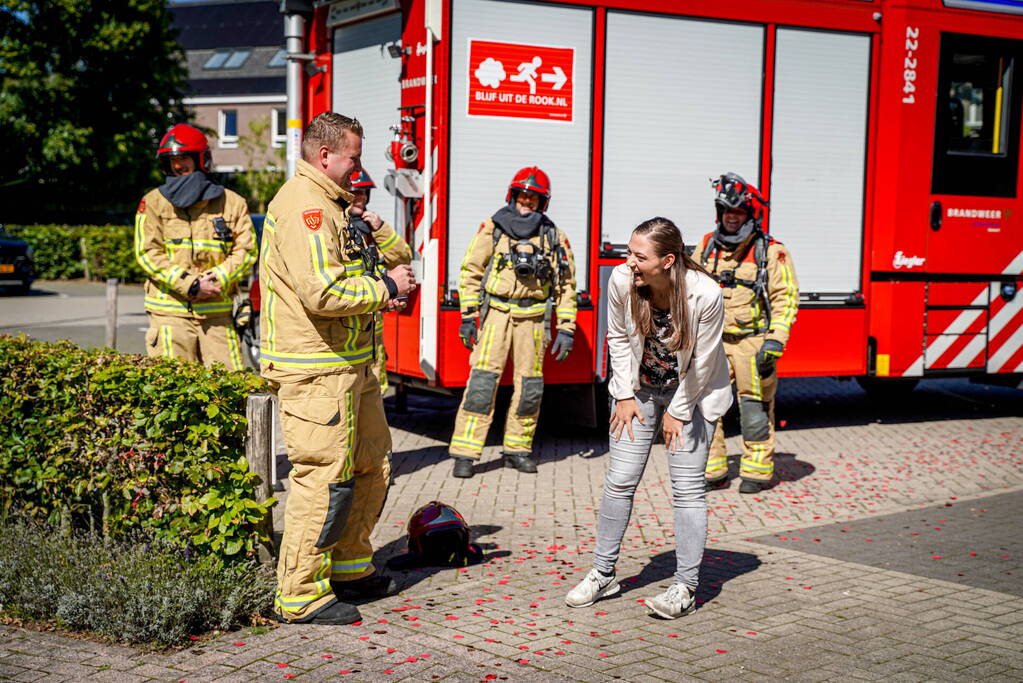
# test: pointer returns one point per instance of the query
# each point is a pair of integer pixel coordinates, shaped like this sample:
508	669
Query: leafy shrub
65	252
58	252
136	588
117	443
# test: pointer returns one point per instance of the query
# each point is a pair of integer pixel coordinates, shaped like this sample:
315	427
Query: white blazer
702	369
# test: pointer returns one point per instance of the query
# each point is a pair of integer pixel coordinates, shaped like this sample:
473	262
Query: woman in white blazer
668	371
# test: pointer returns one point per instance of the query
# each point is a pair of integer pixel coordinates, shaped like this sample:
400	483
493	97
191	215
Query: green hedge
65	252
116	442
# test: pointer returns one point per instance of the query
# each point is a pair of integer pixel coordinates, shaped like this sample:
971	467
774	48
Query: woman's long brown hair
666	239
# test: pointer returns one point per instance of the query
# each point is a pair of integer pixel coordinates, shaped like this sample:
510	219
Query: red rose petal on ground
289	675
363	637
450	617
601	614
603	655
935	557
327	656
751	633
345	672
388	671
721	652
391	650
282	665
458	636
237	644
522	661
489	640
523	647
560	652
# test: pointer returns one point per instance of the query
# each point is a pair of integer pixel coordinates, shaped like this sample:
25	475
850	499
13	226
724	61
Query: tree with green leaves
87	90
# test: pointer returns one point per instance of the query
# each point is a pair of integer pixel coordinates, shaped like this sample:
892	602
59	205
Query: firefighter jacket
175	247
394	251
321	288
760	298
487	266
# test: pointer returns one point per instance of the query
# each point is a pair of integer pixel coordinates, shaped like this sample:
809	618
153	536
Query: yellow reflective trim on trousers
714	463
165	341
322	582
348	465
468	437
485	344
359	564
234	346
749	466
537	352
755	376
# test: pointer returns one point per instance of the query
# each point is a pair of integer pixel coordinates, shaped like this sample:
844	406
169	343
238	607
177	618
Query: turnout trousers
203	340
756	415
338	440
500	335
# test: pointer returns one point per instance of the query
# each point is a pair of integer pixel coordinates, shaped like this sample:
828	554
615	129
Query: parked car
17	269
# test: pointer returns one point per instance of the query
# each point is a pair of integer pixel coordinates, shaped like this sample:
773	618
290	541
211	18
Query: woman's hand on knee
672	427
624	411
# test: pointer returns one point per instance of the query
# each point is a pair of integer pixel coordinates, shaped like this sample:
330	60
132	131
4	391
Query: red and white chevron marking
994	333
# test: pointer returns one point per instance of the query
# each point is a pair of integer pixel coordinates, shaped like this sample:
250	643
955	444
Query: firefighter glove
767	356
468	332
562	345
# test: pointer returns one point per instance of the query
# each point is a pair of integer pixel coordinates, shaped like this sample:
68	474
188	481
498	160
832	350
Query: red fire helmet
533	179
185	139
362	181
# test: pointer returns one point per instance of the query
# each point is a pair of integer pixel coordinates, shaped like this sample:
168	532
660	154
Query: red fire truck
885	134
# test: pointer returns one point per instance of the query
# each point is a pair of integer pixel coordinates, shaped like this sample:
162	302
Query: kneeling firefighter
761	296
517	272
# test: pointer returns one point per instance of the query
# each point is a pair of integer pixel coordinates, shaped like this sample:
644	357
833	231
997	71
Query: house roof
228	24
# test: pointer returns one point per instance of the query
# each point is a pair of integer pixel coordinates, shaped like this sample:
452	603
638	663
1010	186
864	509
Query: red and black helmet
361	180
731	191
185	139
437	537
532	179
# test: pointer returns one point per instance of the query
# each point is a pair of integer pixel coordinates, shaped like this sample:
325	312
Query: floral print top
659	367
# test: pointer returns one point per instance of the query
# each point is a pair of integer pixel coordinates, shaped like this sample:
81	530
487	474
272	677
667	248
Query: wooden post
111	341
82	249
259	453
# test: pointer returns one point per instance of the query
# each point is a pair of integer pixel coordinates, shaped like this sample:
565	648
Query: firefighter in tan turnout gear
322	293
393	250
194	240
761	297
517	274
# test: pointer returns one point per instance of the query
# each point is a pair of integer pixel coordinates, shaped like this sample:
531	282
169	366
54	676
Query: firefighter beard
338	439
501	334
756	415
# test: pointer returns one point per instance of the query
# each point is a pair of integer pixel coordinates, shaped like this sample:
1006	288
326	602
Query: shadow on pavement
718	567
787	467
805	403
17	292
406	578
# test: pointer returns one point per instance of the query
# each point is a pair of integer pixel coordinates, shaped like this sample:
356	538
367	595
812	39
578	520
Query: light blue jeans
686	466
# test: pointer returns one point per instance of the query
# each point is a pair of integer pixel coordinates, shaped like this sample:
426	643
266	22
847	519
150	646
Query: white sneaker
673	603
593	587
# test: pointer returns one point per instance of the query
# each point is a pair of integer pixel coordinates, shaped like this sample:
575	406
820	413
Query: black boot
462	468
750	486
372	586
719	483
523	462
334	614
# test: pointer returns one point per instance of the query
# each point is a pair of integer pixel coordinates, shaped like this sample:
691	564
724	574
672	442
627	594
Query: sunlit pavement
890	548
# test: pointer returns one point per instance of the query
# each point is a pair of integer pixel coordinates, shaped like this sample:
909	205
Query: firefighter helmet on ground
532	179
438	536
185	139
731	191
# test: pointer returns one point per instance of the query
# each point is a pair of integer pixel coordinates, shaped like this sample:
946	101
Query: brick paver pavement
773	603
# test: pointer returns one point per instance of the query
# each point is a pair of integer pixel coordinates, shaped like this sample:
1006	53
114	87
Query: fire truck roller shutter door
823	229
674	57
367	84
478	179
